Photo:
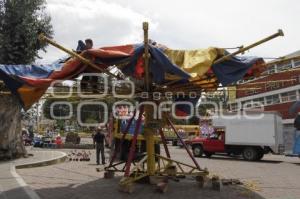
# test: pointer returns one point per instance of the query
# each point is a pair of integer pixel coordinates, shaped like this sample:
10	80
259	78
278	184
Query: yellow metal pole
146	56
148	131
42	37
150	151
279	33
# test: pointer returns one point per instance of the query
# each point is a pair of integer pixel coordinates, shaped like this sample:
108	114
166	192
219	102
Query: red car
215	143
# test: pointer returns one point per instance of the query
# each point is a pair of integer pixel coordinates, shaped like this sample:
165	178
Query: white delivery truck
251	134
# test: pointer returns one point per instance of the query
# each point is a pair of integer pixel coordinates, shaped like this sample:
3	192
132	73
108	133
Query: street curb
29	191
52	161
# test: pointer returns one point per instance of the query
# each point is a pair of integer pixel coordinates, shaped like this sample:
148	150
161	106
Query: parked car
37	142
42	141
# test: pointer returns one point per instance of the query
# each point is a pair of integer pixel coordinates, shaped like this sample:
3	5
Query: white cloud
106	23
178	24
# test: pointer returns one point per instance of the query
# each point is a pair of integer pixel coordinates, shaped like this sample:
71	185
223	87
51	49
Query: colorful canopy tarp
29	82
195	62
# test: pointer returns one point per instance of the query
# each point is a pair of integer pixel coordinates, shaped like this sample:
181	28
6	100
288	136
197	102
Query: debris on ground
79	156
252	185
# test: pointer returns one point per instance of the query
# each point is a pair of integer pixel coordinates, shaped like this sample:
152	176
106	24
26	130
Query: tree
20	23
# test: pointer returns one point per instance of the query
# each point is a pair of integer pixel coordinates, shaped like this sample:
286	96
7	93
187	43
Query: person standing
99	145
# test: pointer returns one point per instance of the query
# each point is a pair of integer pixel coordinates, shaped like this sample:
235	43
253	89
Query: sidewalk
12	186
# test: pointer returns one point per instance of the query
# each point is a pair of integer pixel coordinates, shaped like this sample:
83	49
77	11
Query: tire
260	155
250	153
208	154
197	151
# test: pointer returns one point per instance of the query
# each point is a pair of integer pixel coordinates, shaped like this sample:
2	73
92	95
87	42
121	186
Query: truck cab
215	143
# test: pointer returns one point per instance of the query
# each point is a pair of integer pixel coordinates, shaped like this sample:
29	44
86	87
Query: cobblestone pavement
275	177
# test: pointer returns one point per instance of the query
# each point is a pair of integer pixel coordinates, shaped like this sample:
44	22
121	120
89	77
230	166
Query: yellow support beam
148	130
42	37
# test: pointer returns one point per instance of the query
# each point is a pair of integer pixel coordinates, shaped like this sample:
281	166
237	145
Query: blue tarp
234	69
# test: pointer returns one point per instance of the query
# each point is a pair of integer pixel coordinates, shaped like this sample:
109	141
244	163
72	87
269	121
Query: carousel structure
156	68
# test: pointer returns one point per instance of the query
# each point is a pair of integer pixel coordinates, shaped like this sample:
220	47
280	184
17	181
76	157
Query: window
272	99
258	102
297	63
271	70
288	96
284	66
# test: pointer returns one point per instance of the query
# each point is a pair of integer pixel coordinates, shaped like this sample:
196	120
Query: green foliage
59	110
20	23
89	113
60	124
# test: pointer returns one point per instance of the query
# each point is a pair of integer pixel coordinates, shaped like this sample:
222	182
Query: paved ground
275	177
12	186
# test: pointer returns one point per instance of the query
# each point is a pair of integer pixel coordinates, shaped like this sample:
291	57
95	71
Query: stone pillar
11	145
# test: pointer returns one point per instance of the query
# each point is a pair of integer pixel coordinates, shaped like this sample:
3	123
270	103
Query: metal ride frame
164	167
156	168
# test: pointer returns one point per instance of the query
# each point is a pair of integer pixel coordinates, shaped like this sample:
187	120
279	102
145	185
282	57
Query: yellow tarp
195	62
231	93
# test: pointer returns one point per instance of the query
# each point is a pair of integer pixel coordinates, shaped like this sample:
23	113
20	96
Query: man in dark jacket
99	141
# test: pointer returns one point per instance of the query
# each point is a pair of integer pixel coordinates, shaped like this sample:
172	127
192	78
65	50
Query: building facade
275	90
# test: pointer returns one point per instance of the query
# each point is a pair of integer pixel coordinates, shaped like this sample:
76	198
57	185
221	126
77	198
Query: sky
189	24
